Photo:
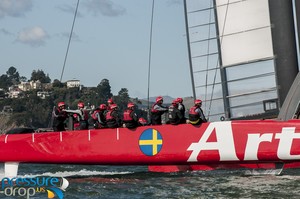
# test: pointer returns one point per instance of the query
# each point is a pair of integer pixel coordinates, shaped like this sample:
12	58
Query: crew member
196	115
174	114
130	118
98	119
157	110
181	108
112	117
84	116
109	103
76	121
59	117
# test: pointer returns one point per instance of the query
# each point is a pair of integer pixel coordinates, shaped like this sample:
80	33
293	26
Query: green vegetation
32	111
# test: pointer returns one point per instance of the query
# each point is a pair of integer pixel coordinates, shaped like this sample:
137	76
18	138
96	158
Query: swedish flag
150	142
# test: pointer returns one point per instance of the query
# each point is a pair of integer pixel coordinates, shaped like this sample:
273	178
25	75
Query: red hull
211	145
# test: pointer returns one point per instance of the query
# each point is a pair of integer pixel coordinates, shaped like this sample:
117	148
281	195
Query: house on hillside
15	93
24	86
73	83
43	94
35	85
32	85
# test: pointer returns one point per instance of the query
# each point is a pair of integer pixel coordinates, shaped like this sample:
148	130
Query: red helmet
80	105
130	104
60	104
175	102
102	107
110	101
159	98
179	99
198	101
113	106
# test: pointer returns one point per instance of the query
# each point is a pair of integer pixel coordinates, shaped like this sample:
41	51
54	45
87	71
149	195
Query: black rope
207	60
70	37
215	76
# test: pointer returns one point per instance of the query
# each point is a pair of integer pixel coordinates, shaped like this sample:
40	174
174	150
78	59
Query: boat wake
73	174
80	173
256	172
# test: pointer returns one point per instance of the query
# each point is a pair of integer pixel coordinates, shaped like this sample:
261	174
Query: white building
27	86
35	84
43	94
24	86
73	83
14	93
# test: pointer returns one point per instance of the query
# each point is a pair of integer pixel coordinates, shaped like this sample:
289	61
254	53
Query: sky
111	40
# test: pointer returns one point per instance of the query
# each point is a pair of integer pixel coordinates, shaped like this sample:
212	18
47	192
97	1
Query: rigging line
207	59
150	50
215	76
70	37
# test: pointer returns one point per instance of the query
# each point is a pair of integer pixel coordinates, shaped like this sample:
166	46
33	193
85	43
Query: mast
189	49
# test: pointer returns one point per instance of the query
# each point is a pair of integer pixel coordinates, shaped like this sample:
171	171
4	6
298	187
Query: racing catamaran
243	139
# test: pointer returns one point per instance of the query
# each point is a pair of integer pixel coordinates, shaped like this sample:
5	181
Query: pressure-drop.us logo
27	187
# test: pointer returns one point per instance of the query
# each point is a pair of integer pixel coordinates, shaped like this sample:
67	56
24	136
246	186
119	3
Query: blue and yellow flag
150	142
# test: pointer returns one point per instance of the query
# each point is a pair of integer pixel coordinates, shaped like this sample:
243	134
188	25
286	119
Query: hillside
4	118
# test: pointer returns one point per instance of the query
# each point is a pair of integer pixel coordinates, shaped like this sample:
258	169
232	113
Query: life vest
85	115
94	114
194	117
109	115
171	113
127	115
154	110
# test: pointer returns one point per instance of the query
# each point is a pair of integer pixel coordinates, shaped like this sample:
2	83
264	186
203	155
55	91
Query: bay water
93	181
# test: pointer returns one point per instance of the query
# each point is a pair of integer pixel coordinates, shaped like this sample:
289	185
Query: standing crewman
196	115
112	117
84	116
181	108
59	117
174	114
157	110
130	118
109	103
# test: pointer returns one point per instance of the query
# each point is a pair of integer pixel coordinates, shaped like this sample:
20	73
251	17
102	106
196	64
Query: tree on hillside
41	76
32	112
23	79
57	83
59	95
13	75
40	115
89	96
104	90
4	82
122	99
71	97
